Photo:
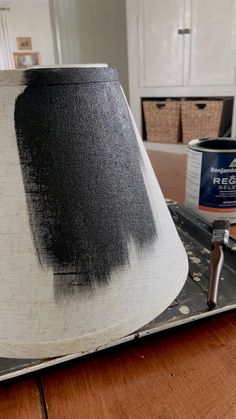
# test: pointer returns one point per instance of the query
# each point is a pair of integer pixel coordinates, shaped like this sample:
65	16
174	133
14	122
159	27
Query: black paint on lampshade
80	163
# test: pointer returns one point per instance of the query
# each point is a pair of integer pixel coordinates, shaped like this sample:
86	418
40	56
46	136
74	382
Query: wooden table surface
187	372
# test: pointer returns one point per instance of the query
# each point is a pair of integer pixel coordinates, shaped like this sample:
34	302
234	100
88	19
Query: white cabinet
186	42
181	48
160	46
211	44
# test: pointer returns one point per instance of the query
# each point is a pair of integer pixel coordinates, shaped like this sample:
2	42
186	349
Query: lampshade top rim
66	75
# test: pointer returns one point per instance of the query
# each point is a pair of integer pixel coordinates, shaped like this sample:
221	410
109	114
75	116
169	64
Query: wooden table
188	372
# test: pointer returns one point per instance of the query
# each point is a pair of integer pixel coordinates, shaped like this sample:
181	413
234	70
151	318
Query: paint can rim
199	144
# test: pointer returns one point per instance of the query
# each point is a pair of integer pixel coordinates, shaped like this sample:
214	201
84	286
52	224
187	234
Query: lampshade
88	249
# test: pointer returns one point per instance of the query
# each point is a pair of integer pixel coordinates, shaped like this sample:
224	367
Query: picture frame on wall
24	43
24	60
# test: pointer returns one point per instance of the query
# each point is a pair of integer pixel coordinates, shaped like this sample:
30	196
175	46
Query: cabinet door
211	42
160	45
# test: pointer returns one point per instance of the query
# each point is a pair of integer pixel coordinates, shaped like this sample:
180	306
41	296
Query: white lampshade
89	251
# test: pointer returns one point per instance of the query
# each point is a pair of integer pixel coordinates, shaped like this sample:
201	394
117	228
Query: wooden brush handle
217	260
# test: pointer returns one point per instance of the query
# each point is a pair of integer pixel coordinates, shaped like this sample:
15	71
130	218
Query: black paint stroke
85	191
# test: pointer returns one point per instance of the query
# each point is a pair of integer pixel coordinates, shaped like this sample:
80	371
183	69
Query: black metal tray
190	304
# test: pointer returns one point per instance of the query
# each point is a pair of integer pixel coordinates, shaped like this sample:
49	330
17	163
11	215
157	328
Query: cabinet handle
185	31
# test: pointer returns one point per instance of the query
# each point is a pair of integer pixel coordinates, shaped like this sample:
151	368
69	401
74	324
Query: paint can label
218	182
193	180
211	184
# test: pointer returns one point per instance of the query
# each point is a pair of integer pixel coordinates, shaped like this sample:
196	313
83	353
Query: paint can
211	178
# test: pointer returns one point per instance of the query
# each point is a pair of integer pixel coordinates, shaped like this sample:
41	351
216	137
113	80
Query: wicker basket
162	120
200	119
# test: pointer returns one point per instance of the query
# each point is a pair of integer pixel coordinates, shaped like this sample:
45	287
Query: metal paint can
211	178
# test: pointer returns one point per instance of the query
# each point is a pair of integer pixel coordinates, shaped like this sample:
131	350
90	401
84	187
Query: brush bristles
221	224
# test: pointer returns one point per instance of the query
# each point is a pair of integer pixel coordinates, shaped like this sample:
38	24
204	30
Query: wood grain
21	400
188	372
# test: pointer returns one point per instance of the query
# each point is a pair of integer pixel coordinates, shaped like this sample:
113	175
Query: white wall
31	18
93	31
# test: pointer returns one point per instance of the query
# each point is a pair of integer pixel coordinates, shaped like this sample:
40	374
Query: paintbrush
219	243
